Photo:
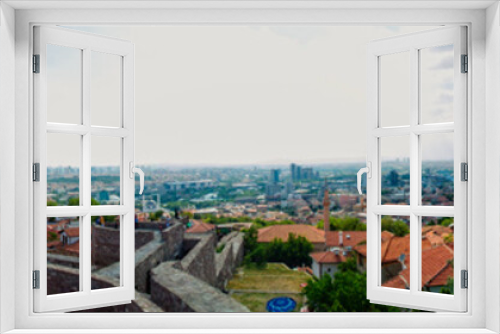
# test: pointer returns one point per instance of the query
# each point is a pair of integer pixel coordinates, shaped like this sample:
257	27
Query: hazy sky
253	94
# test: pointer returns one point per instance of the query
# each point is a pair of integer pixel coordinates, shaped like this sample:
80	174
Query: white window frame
484	50
85	298
412	44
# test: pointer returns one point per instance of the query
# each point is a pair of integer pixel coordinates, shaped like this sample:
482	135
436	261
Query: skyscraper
326	210
274	176
293	172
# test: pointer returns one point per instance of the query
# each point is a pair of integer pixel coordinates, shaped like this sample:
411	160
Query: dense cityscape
260	223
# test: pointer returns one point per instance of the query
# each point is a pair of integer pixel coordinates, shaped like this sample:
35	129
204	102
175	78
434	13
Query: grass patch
273	278
256	302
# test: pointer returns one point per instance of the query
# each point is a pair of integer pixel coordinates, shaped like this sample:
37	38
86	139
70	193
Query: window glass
64	84
395	252
63	169
436	84
106	89
106	167
395	89
437	169
437	255
106	251
395	170
63	255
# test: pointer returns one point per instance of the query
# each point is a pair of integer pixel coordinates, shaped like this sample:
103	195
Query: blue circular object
281	304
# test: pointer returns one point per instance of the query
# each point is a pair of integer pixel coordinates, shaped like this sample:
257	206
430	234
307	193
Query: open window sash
414	296
85	297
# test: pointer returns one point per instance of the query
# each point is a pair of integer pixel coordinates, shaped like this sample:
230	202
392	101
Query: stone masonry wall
142	238
146	258
200	261
177	291
63	279
173	237
237	242
105	245
224	266
64	260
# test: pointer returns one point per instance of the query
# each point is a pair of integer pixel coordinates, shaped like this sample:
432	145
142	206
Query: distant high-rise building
274	176
298	173
307	174
394	178
326	210
293	172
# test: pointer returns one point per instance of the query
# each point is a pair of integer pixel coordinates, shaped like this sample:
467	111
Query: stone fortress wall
174	271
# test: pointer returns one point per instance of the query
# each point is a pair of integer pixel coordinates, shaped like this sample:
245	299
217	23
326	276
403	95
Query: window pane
395	170
106	157
64	84
63	169
437	169
395	89
436	84
437	254
63	255
106	252
106	89
395	251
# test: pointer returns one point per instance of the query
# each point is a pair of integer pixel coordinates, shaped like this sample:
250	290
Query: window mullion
414	171
85	244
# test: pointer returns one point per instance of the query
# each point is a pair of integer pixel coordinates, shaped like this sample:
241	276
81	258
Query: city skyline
196	109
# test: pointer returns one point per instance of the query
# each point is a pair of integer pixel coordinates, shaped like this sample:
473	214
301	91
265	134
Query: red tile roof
436	268
56	227
328	257
438	229
349	238
307	270
54	244
434	238
311	233
392	247
73	248
72	232
200	227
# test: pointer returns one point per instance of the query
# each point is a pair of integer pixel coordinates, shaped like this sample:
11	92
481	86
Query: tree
258	256
448	288
187	214
156	215
277	251
75	201
344	224
295	252
52	236
51	203
397	227
446	221
250	240
346	292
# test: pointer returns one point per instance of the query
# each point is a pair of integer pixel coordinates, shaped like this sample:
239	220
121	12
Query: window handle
134	170
368	171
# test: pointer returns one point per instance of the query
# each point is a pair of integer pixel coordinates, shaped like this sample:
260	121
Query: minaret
326	210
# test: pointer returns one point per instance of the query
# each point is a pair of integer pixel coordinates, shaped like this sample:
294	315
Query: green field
253	287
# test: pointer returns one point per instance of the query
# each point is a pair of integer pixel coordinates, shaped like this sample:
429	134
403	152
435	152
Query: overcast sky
251	94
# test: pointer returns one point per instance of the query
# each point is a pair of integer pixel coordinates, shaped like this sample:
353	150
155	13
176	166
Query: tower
326	210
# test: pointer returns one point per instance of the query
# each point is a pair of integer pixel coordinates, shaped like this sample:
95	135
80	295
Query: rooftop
311	233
